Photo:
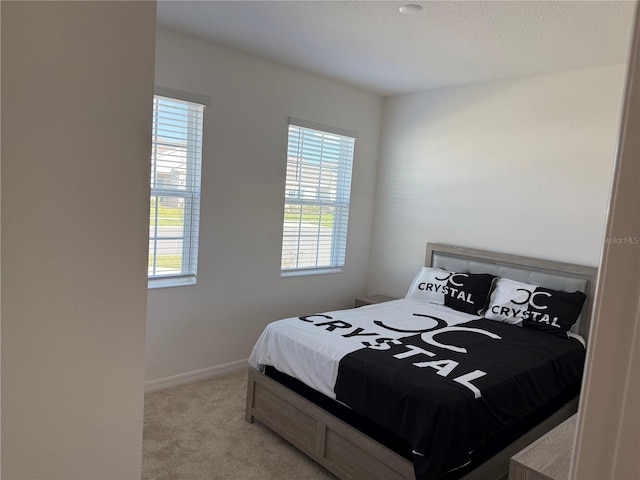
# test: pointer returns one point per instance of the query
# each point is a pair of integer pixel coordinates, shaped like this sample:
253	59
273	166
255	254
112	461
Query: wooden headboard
545	273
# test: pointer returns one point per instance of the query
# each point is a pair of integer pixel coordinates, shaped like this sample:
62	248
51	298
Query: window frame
190	195
341	204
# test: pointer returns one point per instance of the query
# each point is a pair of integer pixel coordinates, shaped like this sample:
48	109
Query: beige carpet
197	431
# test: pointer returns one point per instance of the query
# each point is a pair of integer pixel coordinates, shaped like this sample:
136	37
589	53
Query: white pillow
540	308
428	285
465	292
508	302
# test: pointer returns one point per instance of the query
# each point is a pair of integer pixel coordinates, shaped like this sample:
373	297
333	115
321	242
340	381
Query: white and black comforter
441	380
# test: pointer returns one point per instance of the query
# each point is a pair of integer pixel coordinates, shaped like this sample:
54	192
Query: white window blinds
317	194
175	189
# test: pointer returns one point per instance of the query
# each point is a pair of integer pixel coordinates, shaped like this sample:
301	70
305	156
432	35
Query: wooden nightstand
548	458
371	299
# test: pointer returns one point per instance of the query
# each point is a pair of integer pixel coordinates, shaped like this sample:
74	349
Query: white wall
239	290
77	85
520	166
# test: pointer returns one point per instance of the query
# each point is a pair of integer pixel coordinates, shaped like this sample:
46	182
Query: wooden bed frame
351	455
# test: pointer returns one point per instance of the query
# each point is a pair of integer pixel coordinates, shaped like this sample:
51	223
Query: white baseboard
196	375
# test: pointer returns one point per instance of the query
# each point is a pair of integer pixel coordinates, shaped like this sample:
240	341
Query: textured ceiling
372	45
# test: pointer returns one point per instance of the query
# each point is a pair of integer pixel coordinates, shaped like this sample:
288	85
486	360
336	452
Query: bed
430	386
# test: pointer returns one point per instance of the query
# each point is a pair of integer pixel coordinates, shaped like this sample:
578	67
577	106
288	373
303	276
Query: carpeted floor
197	431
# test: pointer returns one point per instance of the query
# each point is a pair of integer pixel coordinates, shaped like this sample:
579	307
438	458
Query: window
316	205
175	191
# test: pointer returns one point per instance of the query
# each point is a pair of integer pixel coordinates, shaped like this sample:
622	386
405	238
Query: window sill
303	272
170	282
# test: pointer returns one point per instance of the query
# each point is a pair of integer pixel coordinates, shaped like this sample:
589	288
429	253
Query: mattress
443	381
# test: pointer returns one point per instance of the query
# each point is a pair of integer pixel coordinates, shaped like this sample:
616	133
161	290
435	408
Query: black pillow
473	292
561	312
